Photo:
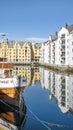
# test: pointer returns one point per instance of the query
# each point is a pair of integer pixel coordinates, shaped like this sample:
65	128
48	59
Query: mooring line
45	123
38	119
9	106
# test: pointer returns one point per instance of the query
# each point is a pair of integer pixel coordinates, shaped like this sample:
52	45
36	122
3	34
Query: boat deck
6	65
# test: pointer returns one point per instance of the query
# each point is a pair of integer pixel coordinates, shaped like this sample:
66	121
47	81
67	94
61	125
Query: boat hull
9	82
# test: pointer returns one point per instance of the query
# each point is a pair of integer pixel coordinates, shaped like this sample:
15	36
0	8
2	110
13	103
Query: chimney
66	25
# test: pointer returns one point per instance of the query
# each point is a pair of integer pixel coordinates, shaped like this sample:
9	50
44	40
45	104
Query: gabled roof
11	43
37	45
70	28
54	37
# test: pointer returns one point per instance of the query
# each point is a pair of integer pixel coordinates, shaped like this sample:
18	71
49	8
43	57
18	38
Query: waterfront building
52	49
36	52
46	53
58	50
63	41
42	48
16	52
70	30
4	49
64	47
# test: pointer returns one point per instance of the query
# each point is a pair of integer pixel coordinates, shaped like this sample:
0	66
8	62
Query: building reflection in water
24	71
32	74
12	109
59	86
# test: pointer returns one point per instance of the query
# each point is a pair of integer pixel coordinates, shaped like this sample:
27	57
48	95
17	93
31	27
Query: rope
39	119
58	125
9	106
45	123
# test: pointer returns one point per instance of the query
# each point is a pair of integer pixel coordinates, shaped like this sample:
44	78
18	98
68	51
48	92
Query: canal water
49	100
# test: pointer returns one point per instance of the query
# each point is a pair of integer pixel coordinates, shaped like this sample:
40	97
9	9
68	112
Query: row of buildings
57	51
19	52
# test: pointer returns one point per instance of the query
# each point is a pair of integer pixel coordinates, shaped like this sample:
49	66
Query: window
63	35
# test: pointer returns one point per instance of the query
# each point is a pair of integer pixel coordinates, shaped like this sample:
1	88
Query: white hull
12	82
9	82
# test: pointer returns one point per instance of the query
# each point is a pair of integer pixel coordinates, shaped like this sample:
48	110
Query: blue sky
34	20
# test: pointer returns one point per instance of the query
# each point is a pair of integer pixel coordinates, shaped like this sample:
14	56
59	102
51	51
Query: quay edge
68	69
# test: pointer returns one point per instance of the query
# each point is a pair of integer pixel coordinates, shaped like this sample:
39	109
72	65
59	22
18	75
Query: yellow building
16	52
35	52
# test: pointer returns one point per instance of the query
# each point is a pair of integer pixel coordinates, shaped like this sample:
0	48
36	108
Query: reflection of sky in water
50	97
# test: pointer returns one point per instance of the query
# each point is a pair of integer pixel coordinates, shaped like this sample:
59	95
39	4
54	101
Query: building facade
35	53
16	52
58	50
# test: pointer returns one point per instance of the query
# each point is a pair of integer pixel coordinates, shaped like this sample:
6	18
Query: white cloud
36	40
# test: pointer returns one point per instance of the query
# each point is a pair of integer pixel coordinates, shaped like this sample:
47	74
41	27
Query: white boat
9	82
7	79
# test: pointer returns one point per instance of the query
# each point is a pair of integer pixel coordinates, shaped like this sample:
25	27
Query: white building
46	52
42	54
58	50
52	48
63	41
70	45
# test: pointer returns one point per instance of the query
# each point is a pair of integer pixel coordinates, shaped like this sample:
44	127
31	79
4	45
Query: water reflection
12	109
59	86
42	90
32	74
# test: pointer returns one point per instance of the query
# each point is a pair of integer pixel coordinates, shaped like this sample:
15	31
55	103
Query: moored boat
7	79
12	109
12	117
